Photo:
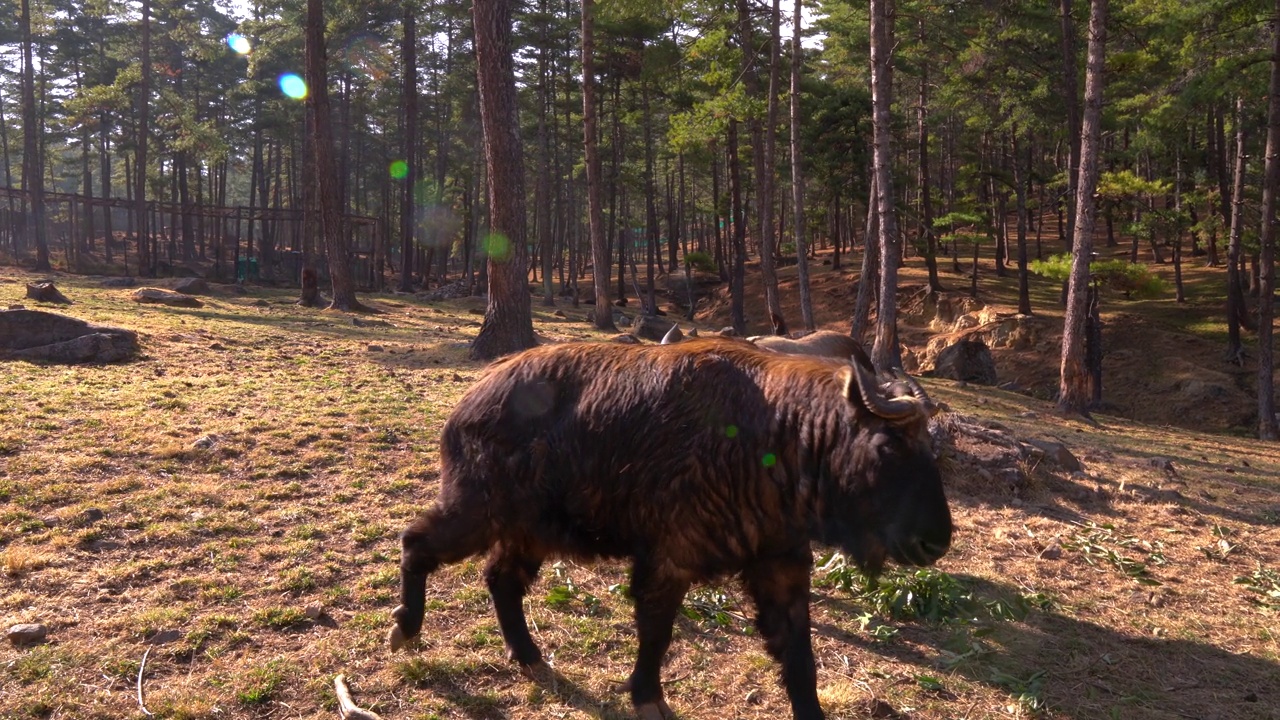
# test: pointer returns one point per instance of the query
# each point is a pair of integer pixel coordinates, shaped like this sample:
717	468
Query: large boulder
164	297
49	337
192	286
967	360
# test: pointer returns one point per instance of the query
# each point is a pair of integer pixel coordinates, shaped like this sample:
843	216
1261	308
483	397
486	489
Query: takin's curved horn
930	407
673	335
898	409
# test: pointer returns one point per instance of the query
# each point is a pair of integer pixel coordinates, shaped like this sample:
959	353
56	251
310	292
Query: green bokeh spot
399	169
769	460
497	247
731	431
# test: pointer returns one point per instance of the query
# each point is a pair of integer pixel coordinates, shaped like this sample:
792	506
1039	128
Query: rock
452	291
49	337
651	327
163	637
559	314
45	291
27	633
313	611
164	297
375	348
260	303
205	442
192	286
693	332
625	339
360	322
727	331
119	282
1162	463
1053	552
1057	452
968	360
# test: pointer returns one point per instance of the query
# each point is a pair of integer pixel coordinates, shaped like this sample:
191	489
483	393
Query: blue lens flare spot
239	43
293	86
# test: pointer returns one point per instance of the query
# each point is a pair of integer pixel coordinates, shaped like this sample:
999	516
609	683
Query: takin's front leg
657	599
780	588
508	576
439	536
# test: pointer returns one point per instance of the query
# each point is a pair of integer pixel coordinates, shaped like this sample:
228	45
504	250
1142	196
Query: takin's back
698	448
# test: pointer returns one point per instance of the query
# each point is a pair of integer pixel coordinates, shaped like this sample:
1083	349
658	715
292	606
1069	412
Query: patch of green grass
422	672
260	684
279	618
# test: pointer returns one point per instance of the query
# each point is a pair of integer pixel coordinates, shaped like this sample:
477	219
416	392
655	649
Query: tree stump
46	292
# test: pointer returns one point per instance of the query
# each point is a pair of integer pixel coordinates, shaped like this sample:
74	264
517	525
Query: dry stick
347	709
141	668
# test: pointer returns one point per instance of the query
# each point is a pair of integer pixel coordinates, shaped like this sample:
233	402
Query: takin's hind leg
439	536
508	576
658	596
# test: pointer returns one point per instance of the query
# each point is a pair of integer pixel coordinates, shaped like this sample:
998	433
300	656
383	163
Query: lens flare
293	86
498	247
239	43
399	169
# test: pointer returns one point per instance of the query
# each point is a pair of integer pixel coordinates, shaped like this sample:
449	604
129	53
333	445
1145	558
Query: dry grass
121	533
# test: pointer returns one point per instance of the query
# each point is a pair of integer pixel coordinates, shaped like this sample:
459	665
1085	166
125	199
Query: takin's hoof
655	711
396	638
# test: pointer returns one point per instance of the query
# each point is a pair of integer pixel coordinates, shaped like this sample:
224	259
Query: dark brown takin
698	460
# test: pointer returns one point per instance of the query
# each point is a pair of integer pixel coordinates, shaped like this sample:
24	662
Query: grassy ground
259	460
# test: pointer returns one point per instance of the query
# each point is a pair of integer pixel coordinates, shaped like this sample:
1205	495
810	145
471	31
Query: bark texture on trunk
1267	429
508	319
326	178
886	353
602	317
1073	392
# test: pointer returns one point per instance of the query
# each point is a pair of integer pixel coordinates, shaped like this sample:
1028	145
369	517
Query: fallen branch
142	704
347	709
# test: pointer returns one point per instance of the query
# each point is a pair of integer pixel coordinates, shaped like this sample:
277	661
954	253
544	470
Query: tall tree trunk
797	173
650	204
886	352
542	190
1070	90
326	177
602	316
409	145
1267	426
146	261
868	278
508	319
738	277
1022	181
1073	392
1237	312
762	135
926	199
32	158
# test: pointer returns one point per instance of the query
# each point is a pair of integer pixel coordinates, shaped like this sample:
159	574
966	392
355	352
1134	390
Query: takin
823	343
694	461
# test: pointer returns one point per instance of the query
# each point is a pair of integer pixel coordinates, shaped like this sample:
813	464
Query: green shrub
700	261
